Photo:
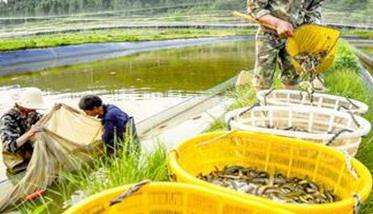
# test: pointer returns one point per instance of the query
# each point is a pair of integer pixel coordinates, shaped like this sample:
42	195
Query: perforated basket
311	39
340	130
292	157
283	97
166	198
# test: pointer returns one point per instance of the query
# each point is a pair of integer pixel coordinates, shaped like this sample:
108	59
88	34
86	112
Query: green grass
116	35
104	173
132	35
367	50
344	80
360	33
217	125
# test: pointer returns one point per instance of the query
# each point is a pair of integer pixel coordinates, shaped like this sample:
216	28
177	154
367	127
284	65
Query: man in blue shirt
117	124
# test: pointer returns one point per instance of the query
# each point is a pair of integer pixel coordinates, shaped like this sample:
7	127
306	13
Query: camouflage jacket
297	12
12	126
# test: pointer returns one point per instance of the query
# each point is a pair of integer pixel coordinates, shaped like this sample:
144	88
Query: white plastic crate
283	97
338	129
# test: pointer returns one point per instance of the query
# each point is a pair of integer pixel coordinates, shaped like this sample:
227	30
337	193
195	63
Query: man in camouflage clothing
278	19
17	129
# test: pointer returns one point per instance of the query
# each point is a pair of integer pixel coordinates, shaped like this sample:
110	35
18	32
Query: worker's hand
284	28
34	129
28	136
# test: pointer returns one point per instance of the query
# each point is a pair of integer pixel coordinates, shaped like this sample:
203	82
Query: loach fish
310	61
276	187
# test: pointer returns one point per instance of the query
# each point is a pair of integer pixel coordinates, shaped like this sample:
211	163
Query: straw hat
31	98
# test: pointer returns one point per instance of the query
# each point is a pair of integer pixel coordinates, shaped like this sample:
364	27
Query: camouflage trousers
270	51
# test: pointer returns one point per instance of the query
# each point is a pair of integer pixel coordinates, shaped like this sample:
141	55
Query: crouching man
17	129
117	124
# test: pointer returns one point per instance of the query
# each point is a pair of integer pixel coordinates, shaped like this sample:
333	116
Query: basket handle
343	107
129	192
351	114
266	94
309	93
240	114
336	135
352	103
349	101
357	205
347	156
349	166
354	119
229	123
213	140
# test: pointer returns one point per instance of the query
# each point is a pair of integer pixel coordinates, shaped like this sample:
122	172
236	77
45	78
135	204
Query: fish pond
142	84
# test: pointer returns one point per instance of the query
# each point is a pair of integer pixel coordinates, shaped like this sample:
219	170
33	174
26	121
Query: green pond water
182	70
142	84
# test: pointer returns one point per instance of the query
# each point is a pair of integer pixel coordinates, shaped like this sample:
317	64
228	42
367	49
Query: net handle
129	192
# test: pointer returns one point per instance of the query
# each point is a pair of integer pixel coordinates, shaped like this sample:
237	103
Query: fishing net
67	139
312	48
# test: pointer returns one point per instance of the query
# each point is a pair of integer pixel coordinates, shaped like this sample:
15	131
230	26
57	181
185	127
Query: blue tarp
13	62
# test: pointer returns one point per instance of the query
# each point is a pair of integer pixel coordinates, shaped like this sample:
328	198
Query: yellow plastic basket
292	157
166	198
312	38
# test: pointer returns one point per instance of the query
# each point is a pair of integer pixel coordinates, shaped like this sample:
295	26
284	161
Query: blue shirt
114	121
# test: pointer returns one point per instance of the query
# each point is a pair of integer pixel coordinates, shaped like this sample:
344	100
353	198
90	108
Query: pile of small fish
276	187
291	128
308	61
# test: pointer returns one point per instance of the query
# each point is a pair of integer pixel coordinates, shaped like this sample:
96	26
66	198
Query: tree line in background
64	7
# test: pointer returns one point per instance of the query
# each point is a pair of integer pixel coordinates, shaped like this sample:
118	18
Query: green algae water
185	70
142	84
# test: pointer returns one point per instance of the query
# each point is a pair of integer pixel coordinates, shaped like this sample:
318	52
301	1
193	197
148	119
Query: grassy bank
359	33
367	50
104	173
342	79
131	35
116	35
